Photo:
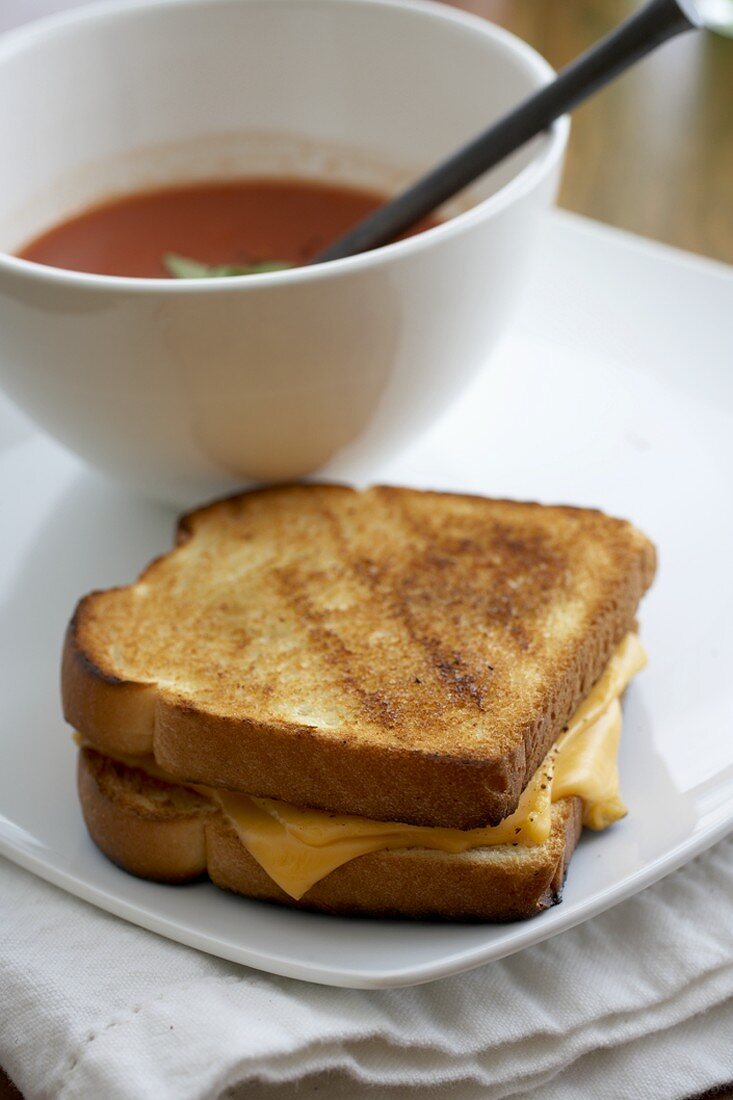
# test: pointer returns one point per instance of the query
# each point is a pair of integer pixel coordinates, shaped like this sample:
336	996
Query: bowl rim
545	159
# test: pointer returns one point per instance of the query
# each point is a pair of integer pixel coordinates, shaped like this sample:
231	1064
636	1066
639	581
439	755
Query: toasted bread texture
170	833
402	655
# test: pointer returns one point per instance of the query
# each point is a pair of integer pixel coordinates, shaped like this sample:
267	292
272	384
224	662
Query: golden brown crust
130	819
150	828
304	637
117	715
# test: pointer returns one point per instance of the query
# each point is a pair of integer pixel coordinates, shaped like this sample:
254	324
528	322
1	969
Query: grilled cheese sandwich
383	702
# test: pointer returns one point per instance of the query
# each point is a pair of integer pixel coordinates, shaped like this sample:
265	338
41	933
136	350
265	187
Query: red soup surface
241	222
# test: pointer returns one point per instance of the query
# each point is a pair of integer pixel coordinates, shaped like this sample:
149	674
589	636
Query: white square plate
615	389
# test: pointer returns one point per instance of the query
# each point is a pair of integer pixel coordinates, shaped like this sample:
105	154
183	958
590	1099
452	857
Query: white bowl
184	389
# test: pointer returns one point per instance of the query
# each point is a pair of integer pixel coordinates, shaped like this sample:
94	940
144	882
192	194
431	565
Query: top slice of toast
397	654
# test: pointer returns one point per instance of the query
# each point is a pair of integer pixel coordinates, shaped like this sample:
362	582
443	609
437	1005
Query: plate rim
399	978
526	934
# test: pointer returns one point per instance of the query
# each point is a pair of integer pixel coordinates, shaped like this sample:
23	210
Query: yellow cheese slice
298	847
586	755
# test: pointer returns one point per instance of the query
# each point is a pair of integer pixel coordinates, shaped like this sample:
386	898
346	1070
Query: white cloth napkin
636	1003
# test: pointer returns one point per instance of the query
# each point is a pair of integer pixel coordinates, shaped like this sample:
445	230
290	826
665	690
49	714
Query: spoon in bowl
654	23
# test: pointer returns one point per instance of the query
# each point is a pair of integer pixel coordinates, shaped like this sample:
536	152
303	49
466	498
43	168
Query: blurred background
652	154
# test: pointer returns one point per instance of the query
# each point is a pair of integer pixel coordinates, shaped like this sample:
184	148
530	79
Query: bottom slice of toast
171	833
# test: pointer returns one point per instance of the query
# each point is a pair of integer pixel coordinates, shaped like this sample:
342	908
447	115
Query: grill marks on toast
308	634
398	594
461	597
338	662
412	678
378	606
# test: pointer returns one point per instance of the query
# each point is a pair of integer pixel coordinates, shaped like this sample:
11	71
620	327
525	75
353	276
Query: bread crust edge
496	885
297	765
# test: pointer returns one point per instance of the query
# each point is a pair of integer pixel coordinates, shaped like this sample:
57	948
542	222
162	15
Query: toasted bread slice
170	833
401	655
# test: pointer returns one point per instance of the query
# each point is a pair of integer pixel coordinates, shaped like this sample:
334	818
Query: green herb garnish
180	267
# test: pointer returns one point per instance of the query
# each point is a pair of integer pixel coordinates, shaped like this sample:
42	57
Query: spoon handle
637	36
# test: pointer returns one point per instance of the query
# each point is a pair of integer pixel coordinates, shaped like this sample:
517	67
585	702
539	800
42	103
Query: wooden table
652	154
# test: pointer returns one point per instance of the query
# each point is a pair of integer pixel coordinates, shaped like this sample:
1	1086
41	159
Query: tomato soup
245	222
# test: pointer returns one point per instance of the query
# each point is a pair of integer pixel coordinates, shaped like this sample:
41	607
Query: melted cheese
299	847
586	755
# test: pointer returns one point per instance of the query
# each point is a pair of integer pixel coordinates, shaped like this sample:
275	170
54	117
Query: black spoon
641	33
